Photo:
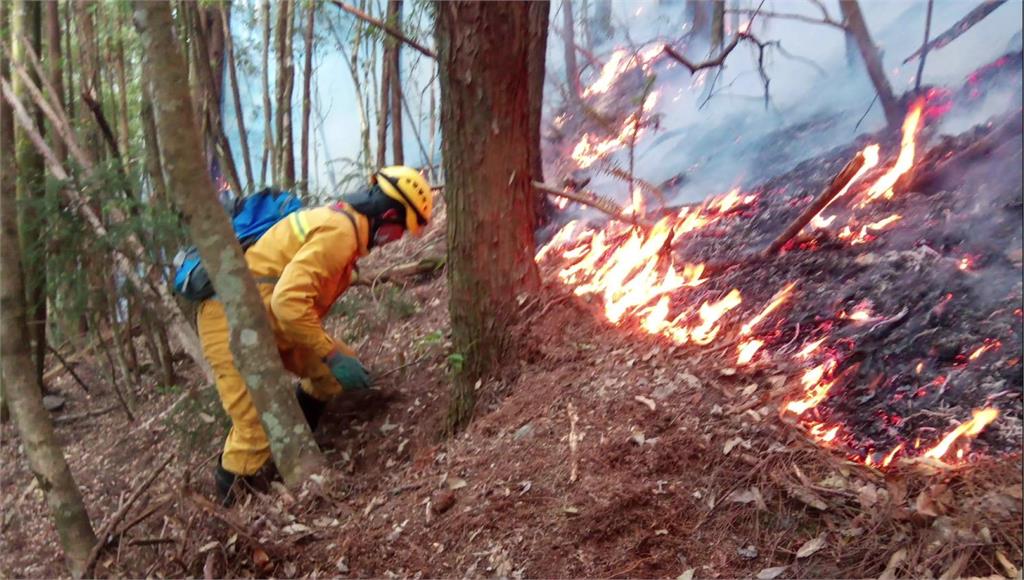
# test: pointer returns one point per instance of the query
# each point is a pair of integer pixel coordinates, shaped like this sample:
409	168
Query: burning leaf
811	547
771	573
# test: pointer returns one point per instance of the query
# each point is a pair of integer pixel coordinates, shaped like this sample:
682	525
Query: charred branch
963	25
388	29
591	199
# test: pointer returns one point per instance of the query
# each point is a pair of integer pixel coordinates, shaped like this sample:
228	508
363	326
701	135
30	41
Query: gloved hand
349	371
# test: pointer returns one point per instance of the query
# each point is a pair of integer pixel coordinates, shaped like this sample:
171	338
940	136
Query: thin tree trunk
924	47
88	50
54	65
269	157
285	71
872	61
122	91
352	63
717	25
383	114
307	75
395	85
8	170
485	57
602	20
243	135
538	39
572	72
252	342
27	26
153	168
22	390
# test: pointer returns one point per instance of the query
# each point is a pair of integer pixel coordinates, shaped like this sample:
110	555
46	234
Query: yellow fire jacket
310	257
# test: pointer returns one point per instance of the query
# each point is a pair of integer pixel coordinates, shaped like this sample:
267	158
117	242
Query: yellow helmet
408	187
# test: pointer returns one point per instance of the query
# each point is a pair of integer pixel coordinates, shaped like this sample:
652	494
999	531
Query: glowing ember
966	263
862	313
747	349
892	455
989	345
863	235
979	420
809	348
822	433
815	388
883	186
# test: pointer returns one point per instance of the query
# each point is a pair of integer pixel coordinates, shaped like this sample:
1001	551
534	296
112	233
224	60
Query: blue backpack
251	217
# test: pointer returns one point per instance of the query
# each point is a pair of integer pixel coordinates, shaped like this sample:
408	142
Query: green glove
349	371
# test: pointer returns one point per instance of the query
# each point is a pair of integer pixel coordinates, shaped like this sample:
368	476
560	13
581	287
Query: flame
966	263
892	455
710	313
883	186
818	431
620	62
809	348
990	344
776	301
561	238
979	420
863	235
815	387
861	313
747	349
592	148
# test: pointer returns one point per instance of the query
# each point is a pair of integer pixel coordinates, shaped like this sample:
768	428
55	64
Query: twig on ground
85	415
119	515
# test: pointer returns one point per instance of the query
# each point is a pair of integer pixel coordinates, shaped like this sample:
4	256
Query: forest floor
601	454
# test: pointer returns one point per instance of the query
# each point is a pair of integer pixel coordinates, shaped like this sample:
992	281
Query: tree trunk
252	341
243	135
22	391
88	50
698	14
538	39
485	65
717	26
285	71
27	25
383	115
602	20
307	104
54	65
572	73
269	158
393	55
872	61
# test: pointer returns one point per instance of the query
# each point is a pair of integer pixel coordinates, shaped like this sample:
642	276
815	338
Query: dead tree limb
924	46
68	367
824	198
591	199
388	29
963	25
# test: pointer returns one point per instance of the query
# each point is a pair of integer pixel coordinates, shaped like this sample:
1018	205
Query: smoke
716	130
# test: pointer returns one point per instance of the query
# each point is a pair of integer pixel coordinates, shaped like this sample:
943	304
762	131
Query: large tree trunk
394	56
252	341
572	73
27	25
872	61
307	103
485	63
22	392
285	81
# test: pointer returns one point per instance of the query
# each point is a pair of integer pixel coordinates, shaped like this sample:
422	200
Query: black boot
312	408
225	482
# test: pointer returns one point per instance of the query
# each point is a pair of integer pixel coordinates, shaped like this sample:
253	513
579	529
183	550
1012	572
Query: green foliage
456	363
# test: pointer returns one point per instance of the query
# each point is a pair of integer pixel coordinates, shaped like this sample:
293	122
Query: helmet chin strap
372	203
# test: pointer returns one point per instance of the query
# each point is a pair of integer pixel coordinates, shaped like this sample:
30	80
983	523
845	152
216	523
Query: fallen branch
85	415
119	515
385	27
64	363
591	199
824	198
425	266
224	516
963	25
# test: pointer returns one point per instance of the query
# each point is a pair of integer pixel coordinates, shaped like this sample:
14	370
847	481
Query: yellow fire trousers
246	448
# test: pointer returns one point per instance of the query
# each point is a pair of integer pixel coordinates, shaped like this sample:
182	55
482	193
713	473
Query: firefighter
301	266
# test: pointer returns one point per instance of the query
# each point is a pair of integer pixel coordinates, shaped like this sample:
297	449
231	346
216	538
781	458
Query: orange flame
979	420
863	235
809	348
747	349
989	345
818	431
892	455
883	186
776	301
815	388
710	313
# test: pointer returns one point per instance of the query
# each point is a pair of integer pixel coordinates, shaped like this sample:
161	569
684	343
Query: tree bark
26	26
252	341
572	73
88	49
872	61
22	390
485	70
393	54
285	71
54	66
307	75
717	25
538	39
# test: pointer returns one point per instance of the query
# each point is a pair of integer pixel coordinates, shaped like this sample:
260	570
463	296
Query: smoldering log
824	198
